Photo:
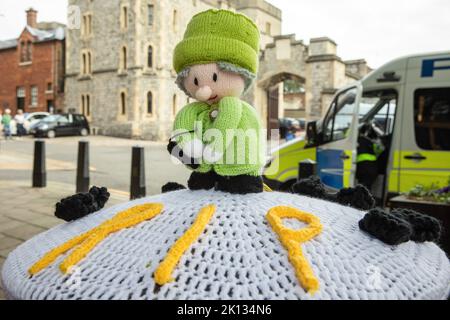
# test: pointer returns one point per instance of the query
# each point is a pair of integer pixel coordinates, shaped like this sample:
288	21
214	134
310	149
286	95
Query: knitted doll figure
219	136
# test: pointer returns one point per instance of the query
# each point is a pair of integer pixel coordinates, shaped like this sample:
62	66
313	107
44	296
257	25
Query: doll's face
207	83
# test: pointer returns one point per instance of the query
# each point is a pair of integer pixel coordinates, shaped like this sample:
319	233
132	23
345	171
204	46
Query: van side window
340	117
379	107
432	118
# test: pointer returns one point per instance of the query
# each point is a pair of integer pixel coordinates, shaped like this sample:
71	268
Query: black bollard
83	167
39	170
306	169
137	188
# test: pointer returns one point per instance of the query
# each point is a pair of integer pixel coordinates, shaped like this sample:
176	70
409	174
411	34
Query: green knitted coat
240	155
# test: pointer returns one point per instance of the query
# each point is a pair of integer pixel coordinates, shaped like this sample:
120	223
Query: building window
34	96
150	57
123	103
23	52
83	104
150	14
90	24
86	27
123	58
88	105
124	18
268	28
49	87
84	64
29	51
174	104
174	20
150	102
21	98
89	63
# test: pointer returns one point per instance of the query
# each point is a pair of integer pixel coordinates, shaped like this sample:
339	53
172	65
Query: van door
425	143
336	156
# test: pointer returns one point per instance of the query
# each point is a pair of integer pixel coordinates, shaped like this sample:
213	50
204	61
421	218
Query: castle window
34	96
174	20
124	17
89	24
150	57
174	104
88	105
150	102
83	104
123	103
268	28
150	14
84	62
89	63
86	28
123	59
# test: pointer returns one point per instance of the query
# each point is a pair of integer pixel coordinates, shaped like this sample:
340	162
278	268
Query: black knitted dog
82	204
358	197
400	225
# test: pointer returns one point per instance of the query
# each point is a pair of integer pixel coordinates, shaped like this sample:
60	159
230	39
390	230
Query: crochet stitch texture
238	256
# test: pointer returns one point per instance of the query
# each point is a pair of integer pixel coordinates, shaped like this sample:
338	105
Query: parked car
61	125
30	120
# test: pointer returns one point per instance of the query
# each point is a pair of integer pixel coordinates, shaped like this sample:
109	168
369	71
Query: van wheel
84	132
51	134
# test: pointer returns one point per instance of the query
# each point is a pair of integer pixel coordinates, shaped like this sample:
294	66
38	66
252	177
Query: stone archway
270	83
282	60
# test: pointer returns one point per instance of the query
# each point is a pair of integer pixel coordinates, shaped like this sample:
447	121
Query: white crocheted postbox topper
237	256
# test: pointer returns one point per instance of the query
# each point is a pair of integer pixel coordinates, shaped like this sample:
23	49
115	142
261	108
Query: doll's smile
213	98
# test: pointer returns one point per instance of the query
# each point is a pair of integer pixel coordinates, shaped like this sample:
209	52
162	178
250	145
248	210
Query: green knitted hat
219	35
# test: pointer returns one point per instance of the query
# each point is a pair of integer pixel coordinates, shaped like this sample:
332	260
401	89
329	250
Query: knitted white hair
238	256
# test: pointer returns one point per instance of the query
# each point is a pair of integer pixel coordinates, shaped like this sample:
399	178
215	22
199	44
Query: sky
377	30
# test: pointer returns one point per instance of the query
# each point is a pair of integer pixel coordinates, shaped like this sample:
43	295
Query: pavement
26	212
110	162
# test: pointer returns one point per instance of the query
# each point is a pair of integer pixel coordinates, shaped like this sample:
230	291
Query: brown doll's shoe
202	181
240	184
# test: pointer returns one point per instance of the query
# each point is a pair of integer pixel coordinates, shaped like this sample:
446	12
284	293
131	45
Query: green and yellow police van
407	102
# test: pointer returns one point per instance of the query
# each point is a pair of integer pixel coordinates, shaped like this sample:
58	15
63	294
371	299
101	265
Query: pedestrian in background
6	122
20	123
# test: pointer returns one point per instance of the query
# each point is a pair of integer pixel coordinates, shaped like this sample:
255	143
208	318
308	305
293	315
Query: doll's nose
203	94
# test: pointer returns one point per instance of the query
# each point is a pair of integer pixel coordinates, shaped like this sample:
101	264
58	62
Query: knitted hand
425	228
180	154
82	204
229	117
358	197
401	225
386	227
172	186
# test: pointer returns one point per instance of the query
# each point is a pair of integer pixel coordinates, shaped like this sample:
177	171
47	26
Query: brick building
32	67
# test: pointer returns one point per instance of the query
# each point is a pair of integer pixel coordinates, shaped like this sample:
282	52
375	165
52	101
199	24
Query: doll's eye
215	77
196	82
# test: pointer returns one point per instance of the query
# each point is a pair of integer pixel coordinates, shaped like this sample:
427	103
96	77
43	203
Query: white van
408	100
